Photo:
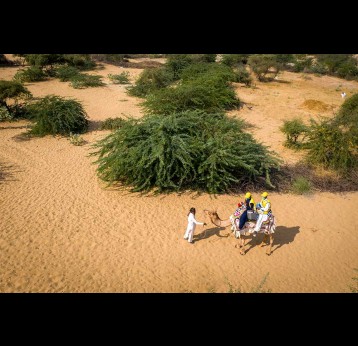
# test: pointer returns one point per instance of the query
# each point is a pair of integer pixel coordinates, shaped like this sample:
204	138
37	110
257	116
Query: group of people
263	208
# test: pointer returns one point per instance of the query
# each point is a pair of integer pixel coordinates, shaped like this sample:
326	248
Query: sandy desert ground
61	230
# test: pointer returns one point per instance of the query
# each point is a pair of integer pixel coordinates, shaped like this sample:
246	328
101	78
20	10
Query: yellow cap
265	194
248	195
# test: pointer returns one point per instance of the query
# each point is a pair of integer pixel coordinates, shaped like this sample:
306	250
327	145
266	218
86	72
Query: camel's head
211	213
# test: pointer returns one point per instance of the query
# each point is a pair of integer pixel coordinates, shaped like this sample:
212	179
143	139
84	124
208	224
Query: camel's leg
263	240
268	252
242	251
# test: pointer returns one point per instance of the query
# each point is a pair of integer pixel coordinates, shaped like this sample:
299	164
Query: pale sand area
61	230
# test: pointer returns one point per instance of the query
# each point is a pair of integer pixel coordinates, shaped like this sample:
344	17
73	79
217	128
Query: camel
268	228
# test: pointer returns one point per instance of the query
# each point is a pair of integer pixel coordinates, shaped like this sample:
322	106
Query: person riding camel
264	211
250	204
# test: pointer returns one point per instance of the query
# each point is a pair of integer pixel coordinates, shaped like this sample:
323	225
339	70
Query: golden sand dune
61	230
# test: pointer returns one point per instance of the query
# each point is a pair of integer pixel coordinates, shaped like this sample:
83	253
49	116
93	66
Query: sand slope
61	230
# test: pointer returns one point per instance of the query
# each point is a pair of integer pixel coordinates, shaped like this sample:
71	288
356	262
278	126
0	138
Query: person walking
192	222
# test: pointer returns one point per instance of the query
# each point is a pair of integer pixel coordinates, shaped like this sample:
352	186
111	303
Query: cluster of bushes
332	143
122	78
66	67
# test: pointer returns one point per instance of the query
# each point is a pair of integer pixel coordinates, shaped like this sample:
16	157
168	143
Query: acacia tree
263	64
12	90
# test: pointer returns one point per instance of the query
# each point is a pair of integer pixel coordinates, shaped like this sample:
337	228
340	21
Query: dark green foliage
293	129
4	61
302	64
150	80
30	74
112	124
284	58
331	146
57	115
42	60
333	61
208	71
210	95
203	57
348	70
111	58
12	90
66	73
234	59
187	150
83	80
122	78
176	63
264	64
242	75
80	61
318	68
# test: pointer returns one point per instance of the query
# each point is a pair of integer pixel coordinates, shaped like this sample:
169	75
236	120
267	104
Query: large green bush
348	113
187	150
331	146
80	61
65	73
57	115
150	80
42	60
176	63
210	95
30	74
234	59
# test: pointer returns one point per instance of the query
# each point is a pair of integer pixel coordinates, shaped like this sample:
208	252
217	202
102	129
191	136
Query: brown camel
268	228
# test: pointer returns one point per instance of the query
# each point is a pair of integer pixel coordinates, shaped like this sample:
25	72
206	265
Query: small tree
12	90
264	64
30	74
293	129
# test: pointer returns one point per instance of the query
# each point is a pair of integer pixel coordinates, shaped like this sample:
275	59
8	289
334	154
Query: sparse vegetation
76	139
83	80
65	73
56	115
301	185
122	78
112	124
263	65
187	150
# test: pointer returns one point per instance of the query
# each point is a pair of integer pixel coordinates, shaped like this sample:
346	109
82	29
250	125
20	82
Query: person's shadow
210	232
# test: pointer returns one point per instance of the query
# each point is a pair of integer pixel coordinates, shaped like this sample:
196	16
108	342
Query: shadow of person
284	235
209	233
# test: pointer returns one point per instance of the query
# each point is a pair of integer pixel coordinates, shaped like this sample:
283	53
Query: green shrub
301	185
264	64
318	69
242	75
83	80
234	59
5	114
122	78
293	129
187	150
331	146
210	95
12	90
203	58
208	71
348	113
112	124
176	63
66	73
80	61
150	80
30	74
57	115
348	70
42	60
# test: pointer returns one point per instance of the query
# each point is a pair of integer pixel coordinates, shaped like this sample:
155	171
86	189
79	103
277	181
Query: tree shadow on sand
7	172
207	233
